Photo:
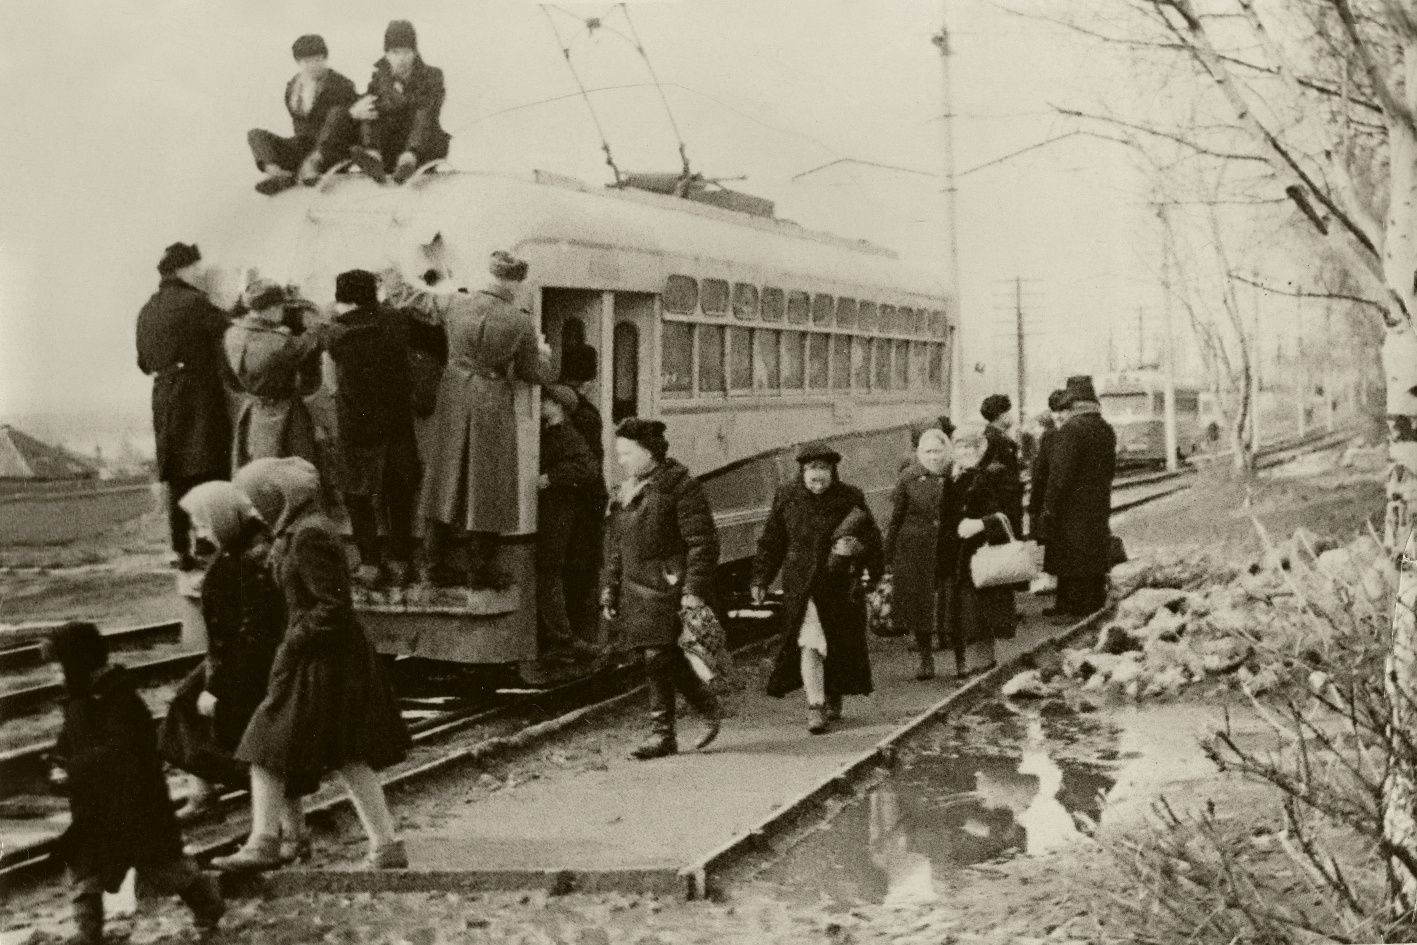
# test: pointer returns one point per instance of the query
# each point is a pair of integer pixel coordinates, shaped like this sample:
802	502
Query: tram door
629	372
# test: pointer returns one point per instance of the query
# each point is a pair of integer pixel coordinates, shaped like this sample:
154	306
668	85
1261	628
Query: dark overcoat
179	342
1038	488
570	474
327	127
244	612
1078	501
1003	452
920	546
328	703
973	614
121	813
797	540
470	481
659	545
409	111
274	370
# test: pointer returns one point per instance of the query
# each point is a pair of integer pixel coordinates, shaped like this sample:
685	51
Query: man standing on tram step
1078	502
472	477
318	99
398	115
567	473
1003	451
578	373
374	413
179	343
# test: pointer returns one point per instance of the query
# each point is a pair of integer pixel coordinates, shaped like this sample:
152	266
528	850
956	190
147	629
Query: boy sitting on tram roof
318	99
398	115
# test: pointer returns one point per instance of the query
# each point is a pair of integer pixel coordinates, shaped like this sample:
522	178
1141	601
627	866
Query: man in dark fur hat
318	100
398	115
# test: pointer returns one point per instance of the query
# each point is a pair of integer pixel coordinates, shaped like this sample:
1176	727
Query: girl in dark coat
121	815
661	555
329	706
823	646
918	539
975	617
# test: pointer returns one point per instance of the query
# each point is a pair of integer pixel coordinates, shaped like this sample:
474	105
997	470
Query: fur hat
357	287
995	406
79	649
504	265
647	433
578	364
562	394
178	256
309	45
400	35
1079	389
818	453
1058	400
262	294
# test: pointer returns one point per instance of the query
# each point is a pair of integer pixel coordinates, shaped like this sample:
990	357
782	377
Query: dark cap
504	265
1058	400
818	453
178	256
1079	389
578	364
79	649
995	406
400	35
309	45
647	433
357	287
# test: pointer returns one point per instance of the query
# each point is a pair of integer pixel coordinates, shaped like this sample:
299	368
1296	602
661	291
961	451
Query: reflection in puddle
942	812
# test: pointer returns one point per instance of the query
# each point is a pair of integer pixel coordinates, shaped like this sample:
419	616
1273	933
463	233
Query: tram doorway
630	374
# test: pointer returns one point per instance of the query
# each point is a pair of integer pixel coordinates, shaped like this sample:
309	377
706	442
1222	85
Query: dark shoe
817	723
204	899
390	856
201	802
927	667
275	183
88	916
662	742
833	708
403	170
257	856
658	746
369	161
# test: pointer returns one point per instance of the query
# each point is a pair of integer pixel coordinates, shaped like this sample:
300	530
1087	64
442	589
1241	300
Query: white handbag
1017	562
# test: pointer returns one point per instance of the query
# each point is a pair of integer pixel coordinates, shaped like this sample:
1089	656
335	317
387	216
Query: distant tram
746	334
1134	402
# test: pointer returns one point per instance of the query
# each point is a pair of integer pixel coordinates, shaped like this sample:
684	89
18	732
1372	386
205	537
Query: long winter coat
471	478
1078	501
1038	487
179	341
244	612
121	812
1003	452
274	370
972	614
328	702
659	545
921	545
797	540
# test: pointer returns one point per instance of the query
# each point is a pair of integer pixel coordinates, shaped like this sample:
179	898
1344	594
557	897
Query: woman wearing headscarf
980	494
661	556
244	614
821	535
274	369
329	706
919	540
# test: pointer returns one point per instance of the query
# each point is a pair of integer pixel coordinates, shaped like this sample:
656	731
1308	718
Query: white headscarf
282	490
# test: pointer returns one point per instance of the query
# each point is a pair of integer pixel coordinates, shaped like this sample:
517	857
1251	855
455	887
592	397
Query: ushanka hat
995	406
178	256
309	45
400	35
262	294
647	433
1079	389
1058	400
818	453
357	287
504	265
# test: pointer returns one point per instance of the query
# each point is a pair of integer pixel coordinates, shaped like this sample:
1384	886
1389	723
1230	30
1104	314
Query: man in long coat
318	99
1038	476
1077	502
471	483
179	343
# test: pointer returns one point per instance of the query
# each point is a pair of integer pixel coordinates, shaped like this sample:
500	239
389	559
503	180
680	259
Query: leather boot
927	666
661	717
702	698
88	916
203	897
258	855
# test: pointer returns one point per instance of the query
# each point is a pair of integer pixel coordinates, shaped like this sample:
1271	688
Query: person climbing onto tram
819	528
471	490
318	99
368	344
661	558
398	115
578	373
567	474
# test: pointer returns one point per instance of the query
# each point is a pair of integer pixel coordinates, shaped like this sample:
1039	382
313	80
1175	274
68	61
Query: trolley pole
1022	364
1168	353
950	194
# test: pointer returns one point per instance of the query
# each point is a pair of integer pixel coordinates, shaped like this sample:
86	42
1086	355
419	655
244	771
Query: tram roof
476	212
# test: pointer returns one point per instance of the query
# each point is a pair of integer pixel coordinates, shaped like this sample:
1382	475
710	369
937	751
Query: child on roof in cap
398	115
318	100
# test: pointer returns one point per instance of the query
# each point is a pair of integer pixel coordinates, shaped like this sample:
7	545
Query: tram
1134	402
747	335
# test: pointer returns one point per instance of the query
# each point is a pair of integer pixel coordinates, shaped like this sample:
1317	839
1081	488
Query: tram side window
745	301
767	360
881	361
822	309
625	394
1158	403
740	359
909	320
900	371
1188	402
799	307
676	367
714	296
888	322
681	295
846	313
818	360
861	363
773	304
936	357
919	364
793	362
868	319
711	379
841	362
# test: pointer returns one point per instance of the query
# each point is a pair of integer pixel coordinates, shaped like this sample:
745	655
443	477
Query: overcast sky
124	129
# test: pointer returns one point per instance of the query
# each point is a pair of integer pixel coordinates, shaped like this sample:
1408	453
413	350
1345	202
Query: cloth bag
1015	562
704	641
878	610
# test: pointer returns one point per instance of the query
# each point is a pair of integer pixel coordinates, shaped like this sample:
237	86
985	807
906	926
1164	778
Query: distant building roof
24	457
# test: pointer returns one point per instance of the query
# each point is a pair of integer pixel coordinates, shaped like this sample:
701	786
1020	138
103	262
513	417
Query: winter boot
661	715
274	183
88	916
202	799
258	855
370	161
817	719
927	666
203	897
702	698
834	708
405	167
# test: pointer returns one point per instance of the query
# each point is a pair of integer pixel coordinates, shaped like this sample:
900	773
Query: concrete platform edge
697	879
664	881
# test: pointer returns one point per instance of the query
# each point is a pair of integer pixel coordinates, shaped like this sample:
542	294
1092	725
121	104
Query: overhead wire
599	128
640	48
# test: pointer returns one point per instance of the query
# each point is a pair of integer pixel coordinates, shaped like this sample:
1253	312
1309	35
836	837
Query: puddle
1001	782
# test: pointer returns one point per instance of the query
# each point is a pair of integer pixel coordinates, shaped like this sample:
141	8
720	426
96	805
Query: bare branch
1393	107
1300	294
1169	136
